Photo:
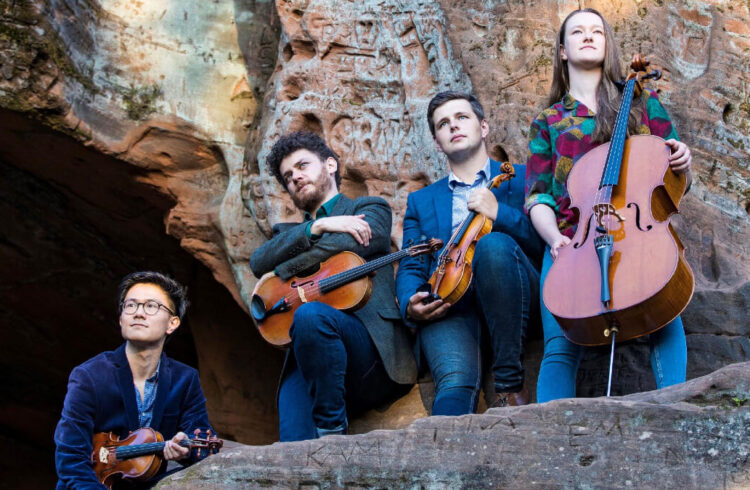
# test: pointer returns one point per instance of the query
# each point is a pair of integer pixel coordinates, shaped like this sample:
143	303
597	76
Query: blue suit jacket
101	398
429	214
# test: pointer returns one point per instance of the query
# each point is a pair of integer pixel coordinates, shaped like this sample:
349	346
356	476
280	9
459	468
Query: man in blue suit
504	291
134	386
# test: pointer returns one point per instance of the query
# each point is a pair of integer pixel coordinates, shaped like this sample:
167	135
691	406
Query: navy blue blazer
429	213
101	398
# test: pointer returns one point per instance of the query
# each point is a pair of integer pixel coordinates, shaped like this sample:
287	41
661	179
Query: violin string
139	449
460	231
446	250
362	270
293	299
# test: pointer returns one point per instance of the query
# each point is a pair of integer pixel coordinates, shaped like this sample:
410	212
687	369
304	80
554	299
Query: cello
452	276
624	272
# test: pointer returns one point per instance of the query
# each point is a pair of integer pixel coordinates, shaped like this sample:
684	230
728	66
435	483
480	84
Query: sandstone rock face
177	104
688	436
361	74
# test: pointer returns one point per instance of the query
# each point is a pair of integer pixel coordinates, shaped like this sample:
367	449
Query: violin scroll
429	246
507	172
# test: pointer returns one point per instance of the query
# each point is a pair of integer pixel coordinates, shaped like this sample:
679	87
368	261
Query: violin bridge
104	455
301	293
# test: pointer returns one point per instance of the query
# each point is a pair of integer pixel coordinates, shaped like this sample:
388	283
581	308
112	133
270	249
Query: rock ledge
693	435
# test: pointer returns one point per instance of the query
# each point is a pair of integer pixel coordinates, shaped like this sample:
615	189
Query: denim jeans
504	293
557	375
335	369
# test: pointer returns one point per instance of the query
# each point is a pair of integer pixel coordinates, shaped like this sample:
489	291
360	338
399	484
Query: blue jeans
557	375
334	369
504	293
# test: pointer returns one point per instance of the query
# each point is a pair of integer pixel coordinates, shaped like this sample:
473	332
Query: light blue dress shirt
146	405
461	192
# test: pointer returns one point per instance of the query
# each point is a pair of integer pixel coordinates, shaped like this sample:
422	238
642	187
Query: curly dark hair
447	96
177	292
299	140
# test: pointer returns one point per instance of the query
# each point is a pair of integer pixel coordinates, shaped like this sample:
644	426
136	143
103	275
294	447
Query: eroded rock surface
692	435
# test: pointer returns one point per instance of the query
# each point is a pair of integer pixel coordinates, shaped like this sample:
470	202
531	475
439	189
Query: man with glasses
134	386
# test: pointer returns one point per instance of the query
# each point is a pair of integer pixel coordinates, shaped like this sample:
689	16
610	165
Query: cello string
613	165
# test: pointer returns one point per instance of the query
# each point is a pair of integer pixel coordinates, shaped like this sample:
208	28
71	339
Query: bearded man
338	364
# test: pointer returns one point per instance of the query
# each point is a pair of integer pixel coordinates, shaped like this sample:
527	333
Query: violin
624	272
452	275
136	458
341	281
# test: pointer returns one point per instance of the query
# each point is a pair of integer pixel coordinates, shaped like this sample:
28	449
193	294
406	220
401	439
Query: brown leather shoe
511	399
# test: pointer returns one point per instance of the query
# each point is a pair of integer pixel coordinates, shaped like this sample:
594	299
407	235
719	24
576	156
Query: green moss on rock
140	102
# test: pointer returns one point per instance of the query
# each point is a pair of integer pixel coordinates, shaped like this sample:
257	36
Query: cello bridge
603	209
104	455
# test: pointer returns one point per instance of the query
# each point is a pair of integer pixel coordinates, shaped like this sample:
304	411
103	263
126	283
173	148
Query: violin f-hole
295	284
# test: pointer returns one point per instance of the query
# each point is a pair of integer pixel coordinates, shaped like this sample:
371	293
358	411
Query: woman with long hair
583	102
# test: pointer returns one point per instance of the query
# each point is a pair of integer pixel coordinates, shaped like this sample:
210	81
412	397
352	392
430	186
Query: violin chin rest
257	308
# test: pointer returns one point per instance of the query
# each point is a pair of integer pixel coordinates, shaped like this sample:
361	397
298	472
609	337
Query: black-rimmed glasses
150	307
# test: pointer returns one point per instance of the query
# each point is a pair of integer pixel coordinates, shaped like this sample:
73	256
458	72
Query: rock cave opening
75	222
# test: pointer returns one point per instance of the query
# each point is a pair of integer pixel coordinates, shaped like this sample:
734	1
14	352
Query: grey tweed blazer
290	253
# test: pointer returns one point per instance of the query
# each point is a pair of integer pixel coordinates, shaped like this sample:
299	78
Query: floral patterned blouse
559	136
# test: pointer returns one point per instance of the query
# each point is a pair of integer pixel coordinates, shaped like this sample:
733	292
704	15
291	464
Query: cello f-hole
638	217
586	233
